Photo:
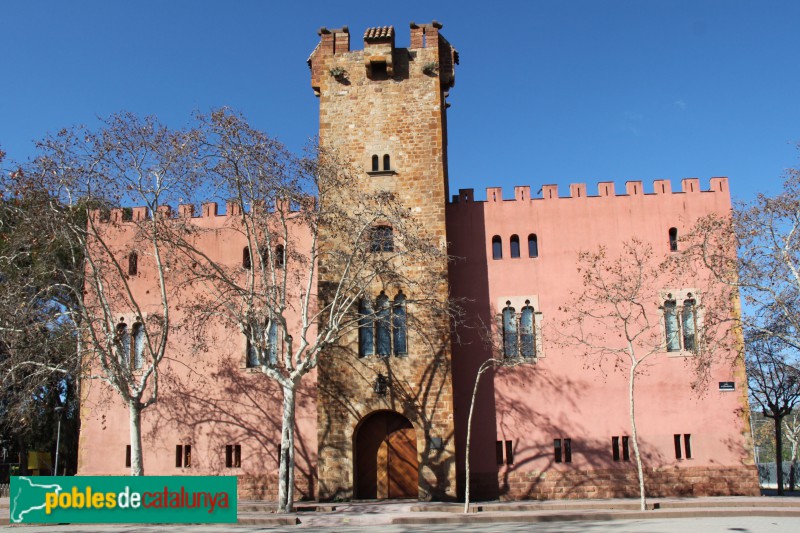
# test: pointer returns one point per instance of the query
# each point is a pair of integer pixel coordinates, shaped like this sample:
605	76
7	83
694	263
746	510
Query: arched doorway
386	457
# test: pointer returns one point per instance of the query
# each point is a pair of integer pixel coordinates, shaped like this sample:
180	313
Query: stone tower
383	108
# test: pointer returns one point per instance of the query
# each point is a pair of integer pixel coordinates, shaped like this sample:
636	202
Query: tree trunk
779	453
135	413
469	434
635	438
286	470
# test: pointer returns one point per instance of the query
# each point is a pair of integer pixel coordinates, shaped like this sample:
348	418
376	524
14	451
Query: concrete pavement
430	516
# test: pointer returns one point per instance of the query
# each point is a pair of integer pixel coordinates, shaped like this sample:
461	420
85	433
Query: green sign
123	499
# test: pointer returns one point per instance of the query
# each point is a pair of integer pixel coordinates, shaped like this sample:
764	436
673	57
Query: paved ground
654	525
667	515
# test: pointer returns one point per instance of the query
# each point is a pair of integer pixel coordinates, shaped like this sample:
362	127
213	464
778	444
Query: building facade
553	428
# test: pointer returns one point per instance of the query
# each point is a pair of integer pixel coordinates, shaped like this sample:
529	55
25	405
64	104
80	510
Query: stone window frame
680	296
518	302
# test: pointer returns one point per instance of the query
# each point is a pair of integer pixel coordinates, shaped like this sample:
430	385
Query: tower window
673	239
387	162
399	325
133	263
366	340
375	163
533	245
124	342
233	455
557	450
383	334
509	331
515	246
382	239
183	456
497	247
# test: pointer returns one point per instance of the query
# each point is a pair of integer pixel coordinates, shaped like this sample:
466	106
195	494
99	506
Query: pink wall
559	397
207	397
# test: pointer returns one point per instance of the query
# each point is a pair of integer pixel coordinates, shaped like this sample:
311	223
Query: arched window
133	263
515	246
280	256
382	239
123	342
671	327
533	245
526	331
383	333
497	247
387	162
366	340
252	352
689	325
272	343
246	257
673	239
138	345
399	324
375	163
510	348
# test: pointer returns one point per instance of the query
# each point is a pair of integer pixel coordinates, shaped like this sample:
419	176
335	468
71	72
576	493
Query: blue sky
546	92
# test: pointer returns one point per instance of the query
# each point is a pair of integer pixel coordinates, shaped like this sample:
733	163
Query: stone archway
386	463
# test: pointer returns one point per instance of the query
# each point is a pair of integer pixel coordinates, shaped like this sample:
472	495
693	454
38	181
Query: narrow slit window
383	331
128	455
187	455
687	445
133	264
514	246
677	439
233	456
387	162
673	239
567	450
399	325
626	452
615	448
178	456
498	452
497	247
280	256
246	257
509	452
533	246
557	450
375	163
366	324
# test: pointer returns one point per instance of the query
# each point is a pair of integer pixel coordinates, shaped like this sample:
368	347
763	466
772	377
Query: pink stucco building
554	428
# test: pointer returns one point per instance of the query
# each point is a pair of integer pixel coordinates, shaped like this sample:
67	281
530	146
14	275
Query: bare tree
774	382
626	315
298	217
77	176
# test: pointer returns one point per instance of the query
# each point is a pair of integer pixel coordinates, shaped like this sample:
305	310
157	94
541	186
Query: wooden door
386	458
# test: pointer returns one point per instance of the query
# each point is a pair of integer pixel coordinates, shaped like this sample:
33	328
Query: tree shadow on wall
225	404
418	394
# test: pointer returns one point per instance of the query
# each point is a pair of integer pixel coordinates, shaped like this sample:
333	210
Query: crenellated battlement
604	189
208	210
333	60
